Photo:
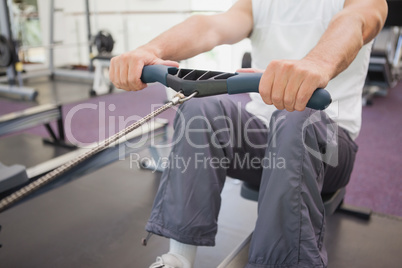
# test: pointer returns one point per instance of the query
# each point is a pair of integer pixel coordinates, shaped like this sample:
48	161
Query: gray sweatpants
297	157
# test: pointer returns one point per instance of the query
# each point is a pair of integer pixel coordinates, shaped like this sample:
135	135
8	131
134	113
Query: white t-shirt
289	29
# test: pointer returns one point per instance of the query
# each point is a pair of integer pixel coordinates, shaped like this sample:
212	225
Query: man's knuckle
302	98
299	108
276	98
288	101
266	97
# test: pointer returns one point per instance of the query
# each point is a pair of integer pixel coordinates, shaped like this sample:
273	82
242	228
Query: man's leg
290	226
208	132
338	177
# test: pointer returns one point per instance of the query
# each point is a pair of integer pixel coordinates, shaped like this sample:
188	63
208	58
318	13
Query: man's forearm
201	33
338	46
346	34
185	40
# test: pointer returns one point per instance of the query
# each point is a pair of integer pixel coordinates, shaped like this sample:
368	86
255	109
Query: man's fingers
114	72
134	78
265	86
123	75
292	88
283	76
134	74
304	95
278	90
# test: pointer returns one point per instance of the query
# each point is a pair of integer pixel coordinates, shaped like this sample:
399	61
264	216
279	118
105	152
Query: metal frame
89	75
157	128
118	150
238	255
101	84
39	115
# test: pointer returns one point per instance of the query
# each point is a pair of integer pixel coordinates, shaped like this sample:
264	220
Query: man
300	46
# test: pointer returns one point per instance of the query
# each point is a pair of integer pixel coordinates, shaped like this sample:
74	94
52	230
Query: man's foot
170	260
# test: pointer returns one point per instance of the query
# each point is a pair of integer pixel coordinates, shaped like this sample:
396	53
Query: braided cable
45	179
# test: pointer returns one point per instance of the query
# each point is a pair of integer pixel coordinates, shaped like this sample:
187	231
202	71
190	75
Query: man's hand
289	84
125	70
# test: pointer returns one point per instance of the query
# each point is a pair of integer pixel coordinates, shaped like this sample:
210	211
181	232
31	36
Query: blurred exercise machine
17	182
15	177
384	70
35	116
100	47
103	42
9	59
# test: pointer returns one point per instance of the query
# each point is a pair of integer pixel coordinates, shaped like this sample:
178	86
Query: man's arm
197	34
289	84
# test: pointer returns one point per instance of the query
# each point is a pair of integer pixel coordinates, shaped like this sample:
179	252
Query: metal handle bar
209	83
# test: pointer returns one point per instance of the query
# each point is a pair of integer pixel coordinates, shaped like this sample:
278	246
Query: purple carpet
111	113
376	181
97	118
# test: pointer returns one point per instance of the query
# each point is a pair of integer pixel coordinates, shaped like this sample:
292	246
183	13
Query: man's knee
287	125
283	120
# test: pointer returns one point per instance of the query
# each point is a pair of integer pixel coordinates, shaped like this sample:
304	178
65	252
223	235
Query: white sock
183	250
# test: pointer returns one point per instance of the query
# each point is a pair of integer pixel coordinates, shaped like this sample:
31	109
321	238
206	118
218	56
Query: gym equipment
384	68
104	42
112	153
12	176
101	84
64	72
5	52
246	60
15	178
109	142
9	59
209	83
35	116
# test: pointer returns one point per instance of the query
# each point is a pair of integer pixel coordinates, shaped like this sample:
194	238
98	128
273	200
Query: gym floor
98	220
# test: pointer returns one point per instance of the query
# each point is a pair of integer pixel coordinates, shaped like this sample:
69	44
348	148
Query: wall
132	23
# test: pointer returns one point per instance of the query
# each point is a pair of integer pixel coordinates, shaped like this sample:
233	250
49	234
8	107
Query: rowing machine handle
249	82
235	83
155	73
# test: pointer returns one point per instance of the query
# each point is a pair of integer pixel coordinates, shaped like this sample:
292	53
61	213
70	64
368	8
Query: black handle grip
249	82
156	73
